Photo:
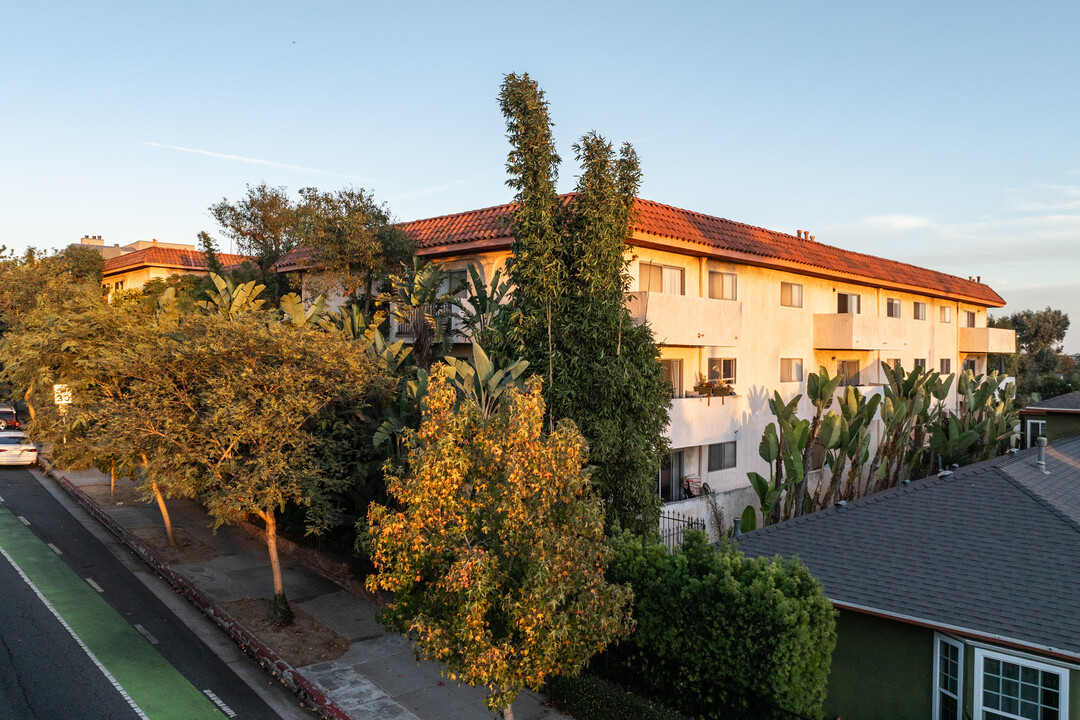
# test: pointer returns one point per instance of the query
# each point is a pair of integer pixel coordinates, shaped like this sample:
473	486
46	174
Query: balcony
704	420
987	340
848	331
686	320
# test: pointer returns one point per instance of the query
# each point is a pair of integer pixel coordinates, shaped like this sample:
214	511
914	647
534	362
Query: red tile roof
167	257
299	258
664	226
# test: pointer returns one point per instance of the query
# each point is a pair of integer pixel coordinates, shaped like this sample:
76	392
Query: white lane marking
146	634
220	703
23	520
54	549
1	499
91	583
89	653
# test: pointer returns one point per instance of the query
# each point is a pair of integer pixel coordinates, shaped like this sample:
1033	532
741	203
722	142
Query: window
946	314
920	363
723	286
848	303
920	311
791	294
946	366
790	369
673	375
118	285
721	456
1035	429
969	364
849	370
722	369
969	319
892	307
894	363
1012	687
662	279
948	678
670	479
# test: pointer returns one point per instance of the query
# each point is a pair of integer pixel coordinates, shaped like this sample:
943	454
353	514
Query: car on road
8	419
16	449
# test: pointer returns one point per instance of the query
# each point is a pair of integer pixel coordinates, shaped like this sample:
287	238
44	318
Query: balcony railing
705	420
987	340
687	320
849	331
673	524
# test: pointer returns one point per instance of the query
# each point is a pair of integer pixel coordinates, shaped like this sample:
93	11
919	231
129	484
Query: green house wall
881	670
884	670
1062	425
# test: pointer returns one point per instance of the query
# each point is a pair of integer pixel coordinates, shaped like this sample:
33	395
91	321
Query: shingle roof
167	257
1068	401
299	258
488	228
992	550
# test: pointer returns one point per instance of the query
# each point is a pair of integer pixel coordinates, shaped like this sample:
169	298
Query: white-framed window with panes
791	294
848	303
662	279
946	314
723	285
919	363
673	376
722	369
892	307
948	678
969	318
722	456
1011	687
971	364
919	311
791	370
945	364
848	370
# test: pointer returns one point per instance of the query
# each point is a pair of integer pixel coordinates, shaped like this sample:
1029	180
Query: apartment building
759	310
133	265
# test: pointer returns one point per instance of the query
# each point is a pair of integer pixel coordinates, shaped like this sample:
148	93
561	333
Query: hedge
720	635
587	697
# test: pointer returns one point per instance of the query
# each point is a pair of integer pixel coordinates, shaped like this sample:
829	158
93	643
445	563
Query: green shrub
588	697
720	635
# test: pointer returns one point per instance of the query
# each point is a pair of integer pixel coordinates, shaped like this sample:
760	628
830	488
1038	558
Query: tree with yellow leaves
497	559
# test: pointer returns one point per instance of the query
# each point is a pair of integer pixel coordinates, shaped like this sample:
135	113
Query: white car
16	449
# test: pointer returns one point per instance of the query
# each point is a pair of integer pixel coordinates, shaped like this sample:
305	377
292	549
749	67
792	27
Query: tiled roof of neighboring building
167	257
990	551
489	229
1067	402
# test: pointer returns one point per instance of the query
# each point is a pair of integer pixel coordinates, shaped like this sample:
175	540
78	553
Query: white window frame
854	300
919	363
938	690
722	447
892	307
720	376
794	289
970	319
729	285
674	368
945	366
919	311
645	272
946	314
1031	434
981	654
794	368
847	378
971	364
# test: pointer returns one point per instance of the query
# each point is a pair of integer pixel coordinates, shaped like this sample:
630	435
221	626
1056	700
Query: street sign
61	394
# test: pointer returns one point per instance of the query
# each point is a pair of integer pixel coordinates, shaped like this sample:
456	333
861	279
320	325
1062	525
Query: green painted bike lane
151	682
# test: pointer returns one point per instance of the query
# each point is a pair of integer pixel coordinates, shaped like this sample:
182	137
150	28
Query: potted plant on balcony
704	387
724	390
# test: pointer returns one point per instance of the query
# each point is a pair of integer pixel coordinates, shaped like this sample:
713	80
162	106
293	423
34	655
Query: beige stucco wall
138	277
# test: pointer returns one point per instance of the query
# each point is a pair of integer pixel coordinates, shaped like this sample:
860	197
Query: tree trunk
112	480
164	514
282	613
508	712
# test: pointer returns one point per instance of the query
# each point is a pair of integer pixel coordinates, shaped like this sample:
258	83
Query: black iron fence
673	524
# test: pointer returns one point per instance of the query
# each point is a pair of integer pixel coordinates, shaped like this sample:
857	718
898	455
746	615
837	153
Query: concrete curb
274	664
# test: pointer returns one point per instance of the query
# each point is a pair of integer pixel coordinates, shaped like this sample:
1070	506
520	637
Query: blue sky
943	134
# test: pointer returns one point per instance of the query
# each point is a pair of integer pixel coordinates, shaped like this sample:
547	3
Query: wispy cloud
897	222
426	192
1043	197
257	161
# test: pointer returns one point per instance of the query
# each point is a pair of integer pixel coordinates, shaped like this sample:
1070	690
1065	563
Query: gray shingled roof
1068	401
992	551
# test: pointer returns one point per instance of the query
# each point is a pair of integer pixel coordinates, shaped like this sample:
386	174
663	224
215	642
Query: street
87	632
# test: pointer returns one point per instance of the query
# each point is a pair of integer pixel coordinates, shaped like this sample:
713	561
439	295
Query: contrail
256	161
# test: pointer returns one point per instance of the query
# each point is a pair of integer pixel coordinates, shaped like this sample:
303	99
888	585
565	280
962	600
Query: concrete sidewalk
377	678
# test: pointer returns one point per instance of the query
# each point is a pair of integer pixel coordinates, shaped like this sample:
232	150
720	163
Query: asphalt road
87	632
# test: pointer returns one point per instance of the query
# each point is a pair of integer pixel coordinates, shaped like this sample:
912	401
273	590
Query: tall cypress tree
570	272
